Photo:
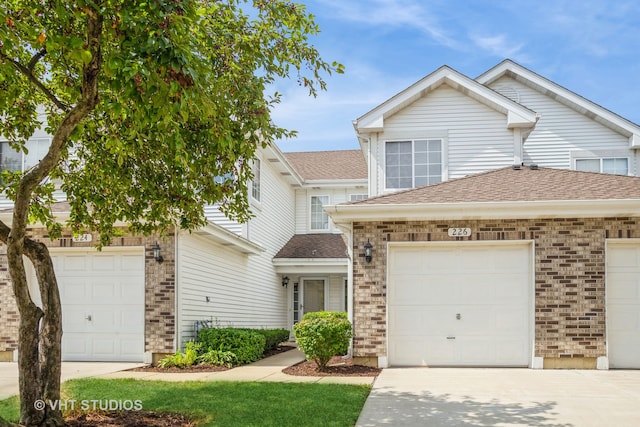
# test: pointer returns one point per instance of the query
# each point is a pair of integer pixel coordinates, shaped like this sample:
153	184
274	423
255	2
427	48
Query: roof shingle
314	246
339	164
525	184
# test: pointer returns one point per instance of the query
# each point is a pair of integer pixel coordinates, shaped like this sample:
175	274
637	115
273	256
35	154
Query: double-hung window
255	183
319	218
413	163
19	161
613	165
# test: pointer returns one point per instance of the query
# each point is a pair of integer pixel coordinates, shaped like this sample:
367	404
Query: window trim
319	230
43	139
601	159
412	139
257	178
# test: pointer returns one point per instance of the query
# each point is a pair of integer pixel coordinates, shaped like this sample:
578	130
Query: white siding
475	136
243	290
214	215
561	130
336	294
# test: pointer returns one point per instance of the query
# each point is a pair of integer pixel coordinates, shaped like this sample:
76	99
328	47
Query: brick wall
159	291
569	277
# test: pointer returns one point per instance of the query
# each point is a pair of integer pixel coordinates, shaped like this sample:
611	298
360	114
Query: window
13	160
414	163
319	218
613	165
255	184
356	197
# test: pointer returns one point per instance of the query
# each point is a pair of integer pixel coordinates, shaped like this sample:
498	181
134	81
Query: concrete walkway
503	397
268	369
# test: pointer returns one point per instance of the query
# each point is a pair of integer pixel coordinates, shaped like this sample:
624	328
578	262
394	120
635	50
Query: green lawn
224	403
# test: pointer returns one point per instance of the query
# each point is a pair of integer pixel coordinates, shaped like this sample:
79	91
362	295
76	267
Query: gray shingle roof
339	164
314	246
526	184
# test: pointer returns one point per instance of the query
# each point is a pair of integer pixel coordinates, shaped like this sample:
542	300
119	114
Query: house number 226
459	232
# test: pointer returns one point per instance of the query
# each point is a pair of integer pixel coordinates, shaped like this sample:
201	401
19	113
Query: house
500	216
143	297
503	225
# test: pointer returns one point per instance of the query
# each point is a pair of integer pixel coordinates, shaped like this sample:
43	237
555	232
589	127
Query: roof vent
516	167
533	167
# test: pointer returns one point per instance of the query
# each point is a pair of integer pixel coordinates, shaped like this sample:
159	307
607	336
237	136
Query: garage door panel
472	281
623	304
108	287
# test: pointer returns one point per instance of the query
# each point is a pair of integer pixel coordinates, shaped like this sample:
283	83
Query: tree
155	109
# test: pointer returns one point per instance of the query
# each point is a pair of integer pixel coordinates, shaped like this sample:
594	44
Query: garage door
459	304
623	304
102	297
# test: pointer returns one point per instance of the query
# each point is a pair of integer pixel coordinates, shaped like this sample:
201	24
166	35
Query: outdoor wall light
156	253
285	281
368	247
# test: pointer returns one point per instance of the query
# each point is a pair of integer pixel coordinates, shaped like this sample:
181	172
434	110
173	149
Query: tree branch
36	58
33	79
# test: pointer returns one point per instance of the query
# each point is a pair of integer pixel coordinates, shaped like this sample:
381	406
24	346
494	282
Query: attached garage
460	304
623	303
103	301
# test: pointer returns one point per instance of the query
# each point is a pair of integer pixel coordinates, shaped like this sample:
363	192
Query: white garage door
459	304
623	304
103	307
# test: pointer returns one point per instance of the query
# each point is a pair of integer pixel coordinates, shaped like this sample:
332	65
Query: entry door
312	295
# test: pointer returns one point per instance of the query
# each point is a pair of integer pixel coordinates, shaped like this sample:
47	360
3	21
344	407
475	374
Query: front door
312	295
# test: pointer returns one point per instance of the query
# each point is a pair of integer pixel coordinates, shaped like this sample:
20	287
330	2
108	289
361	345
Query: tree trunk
40	334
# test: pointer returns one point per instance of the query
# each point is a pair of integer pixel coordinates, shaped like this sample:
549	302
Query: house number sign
459	232
82	238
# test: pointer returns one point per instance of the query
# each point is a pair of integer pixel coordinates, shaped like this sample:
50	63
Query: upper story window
414	163
356	197
18	161
255	183
319	218
613	165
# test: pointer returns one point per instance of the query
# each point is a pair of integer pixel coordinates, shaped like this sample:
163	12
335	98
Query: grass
226	403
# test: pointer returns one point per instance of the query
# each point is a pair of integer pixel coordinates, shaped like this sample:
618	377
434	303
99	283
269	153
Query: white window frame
23	156
601	160
357	196
256	184
413	163
328	229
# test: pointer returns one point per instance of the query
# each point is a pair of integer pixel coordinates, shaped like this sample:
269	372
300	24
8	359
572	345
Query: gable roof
572	100
518	116
329	165
525	192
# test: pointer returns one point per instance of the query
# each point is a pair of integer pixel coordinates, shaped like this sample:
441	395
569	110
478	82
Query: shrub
182	360
273	337
323	335
218	358
247	345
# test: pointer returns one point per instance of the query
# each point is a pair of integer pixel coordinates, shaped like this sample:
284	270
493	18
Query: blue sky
591	47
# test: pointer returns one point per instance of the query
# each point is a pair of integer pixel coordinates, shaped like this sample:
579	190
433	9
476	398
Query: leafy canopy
182	105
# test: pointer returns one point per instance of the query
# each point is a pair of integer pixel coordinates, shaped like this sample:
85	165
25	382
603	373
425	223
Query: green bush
273	337
182	360
218	358
247	345
323	335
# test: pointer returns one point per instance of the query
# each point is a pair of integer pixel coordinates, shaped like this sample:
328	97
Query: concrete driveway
502	397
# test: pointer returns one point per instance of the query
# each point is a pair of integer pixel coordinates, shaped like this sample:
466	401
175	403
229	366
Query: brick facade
159	291
570	318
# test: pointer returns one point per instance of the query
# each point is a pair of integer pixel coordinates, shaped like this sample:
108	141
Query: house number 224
459	232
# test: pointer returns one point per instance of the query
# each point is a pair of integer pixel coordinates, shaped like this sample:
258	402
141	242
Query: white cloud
501	46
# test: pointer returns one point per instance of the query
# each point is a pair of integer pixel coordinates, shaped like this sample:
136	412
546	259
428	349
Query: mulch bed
129	419
337	367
